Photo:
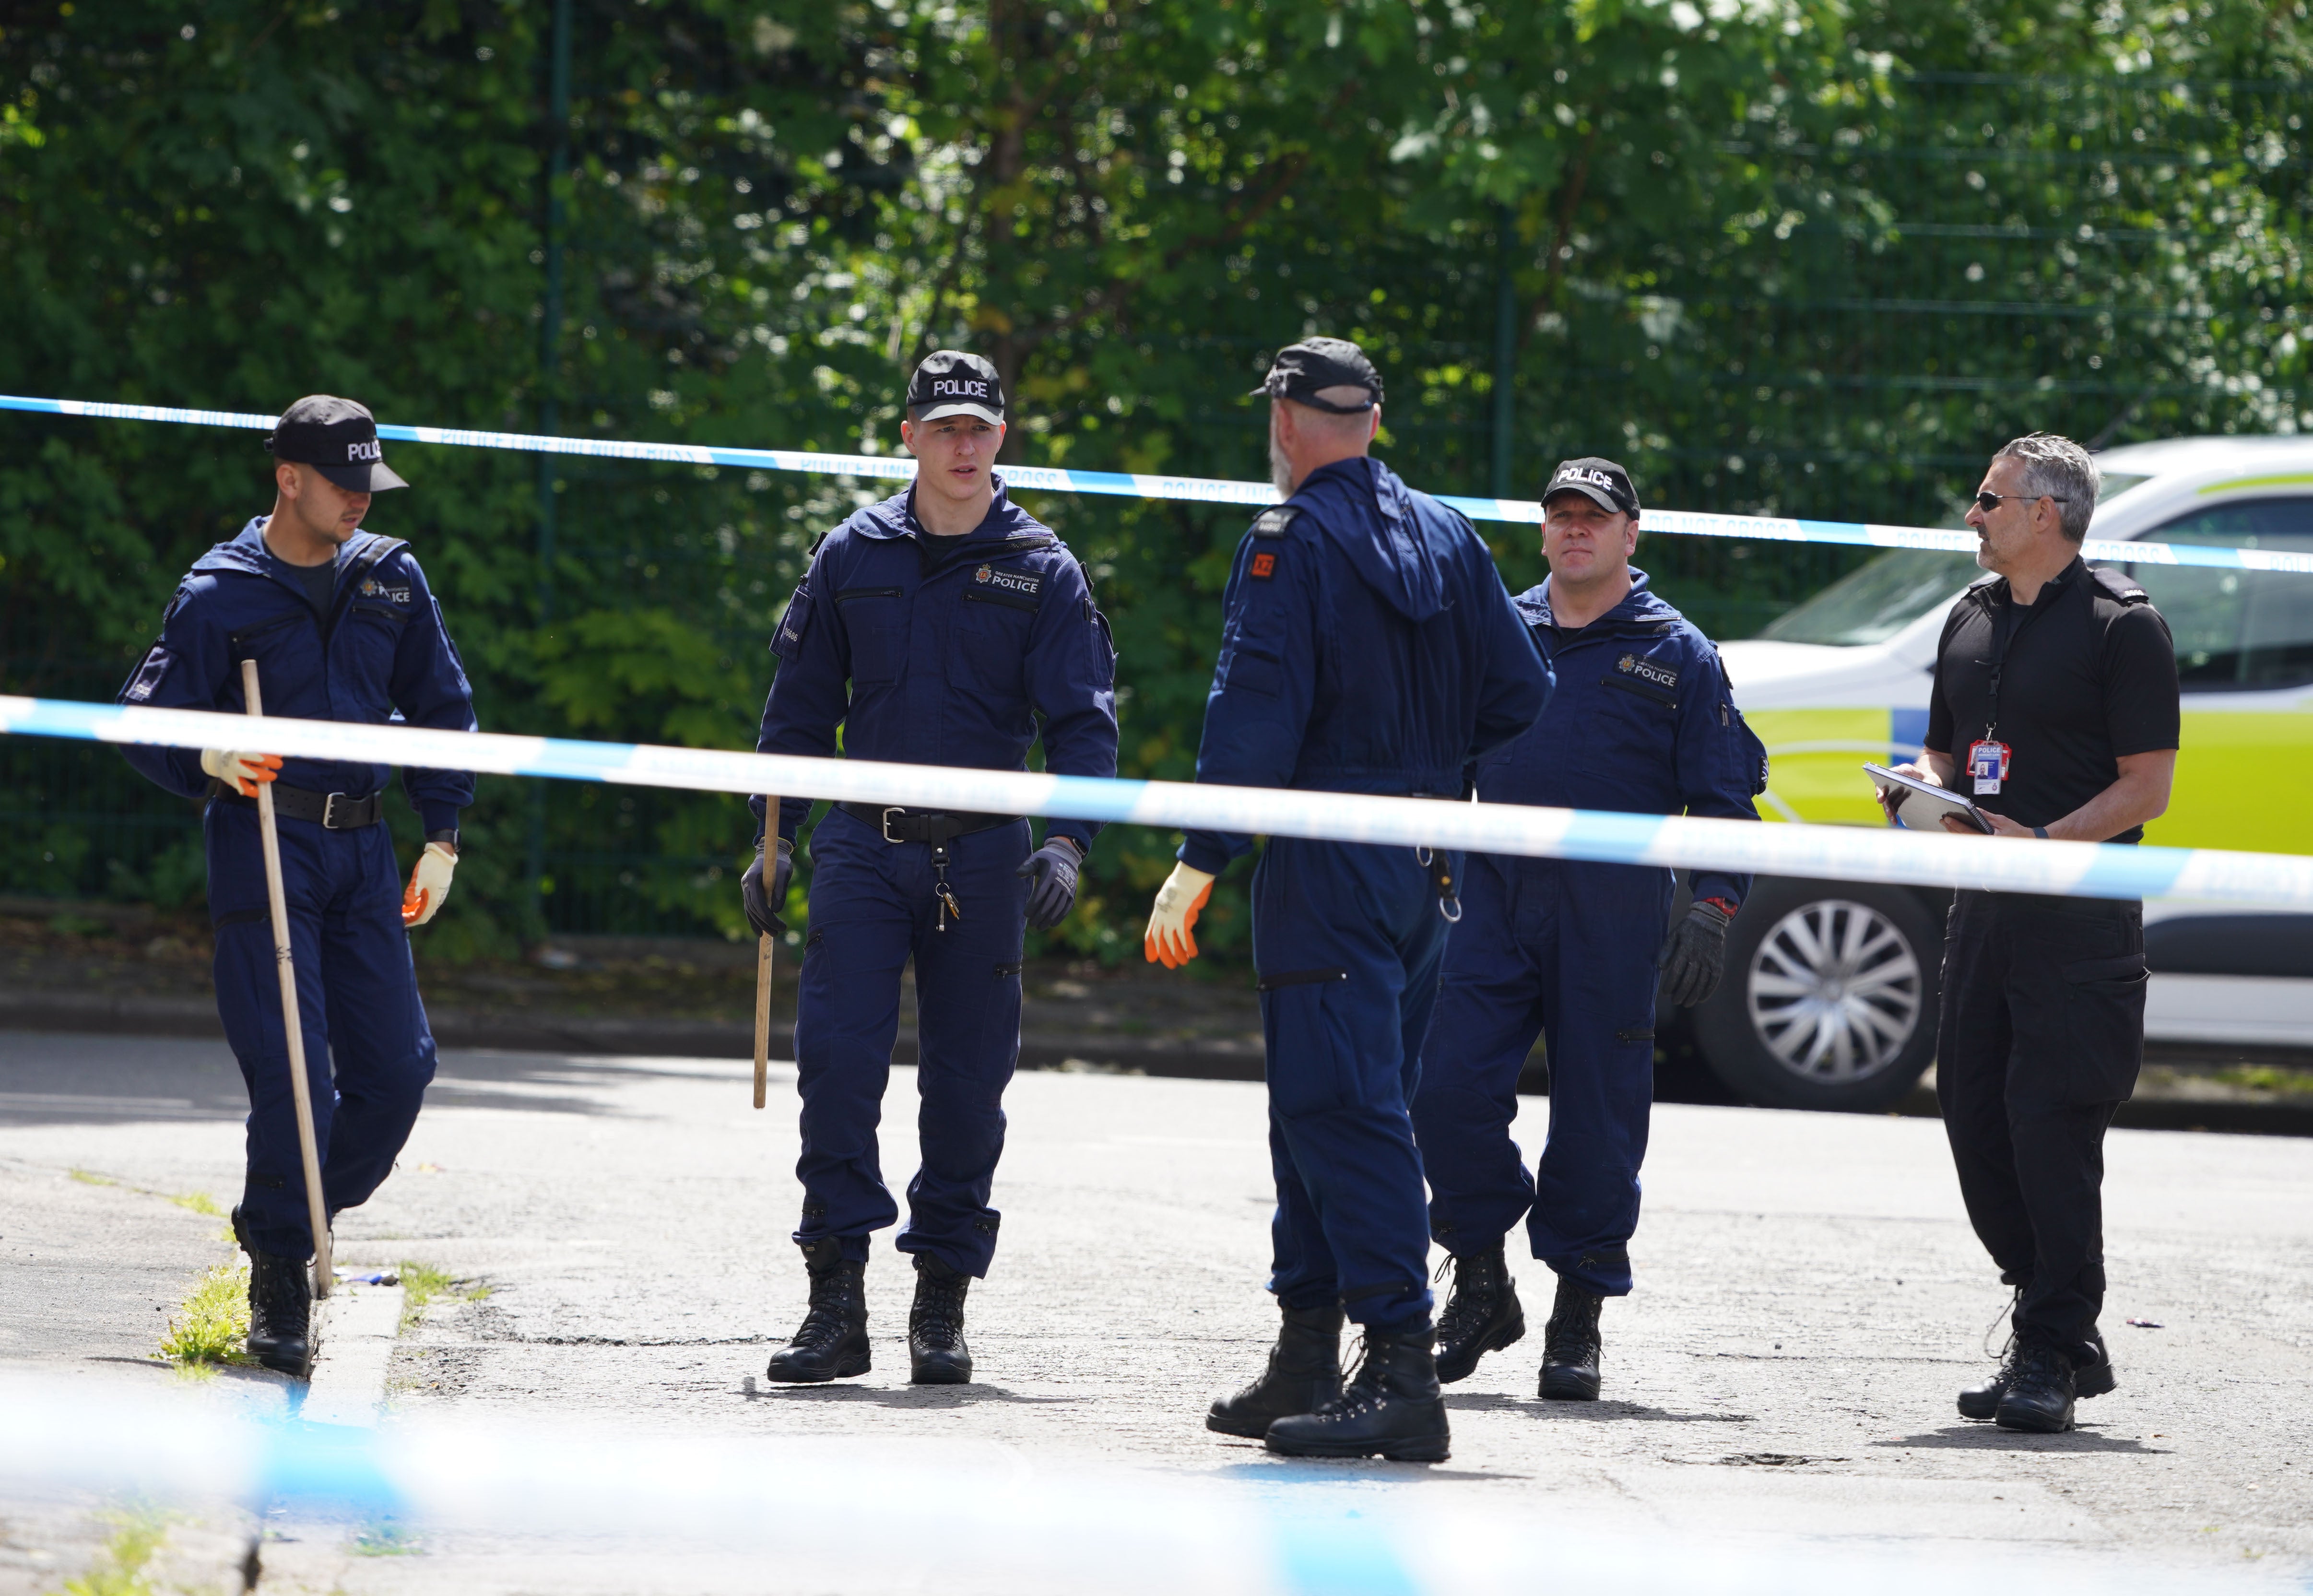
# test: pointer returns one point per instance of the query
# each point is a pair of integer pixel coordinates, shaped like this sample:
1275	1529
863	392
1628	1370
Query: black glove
1050	873
1694	954
762	906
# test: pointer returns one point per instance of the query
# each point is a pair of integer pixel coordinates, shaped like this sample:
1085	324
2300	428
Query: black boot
2040	1390
1392	1406
1571	1345
936	1354
1304	1374
2092	1378
1482	1316
280	1308
832	1342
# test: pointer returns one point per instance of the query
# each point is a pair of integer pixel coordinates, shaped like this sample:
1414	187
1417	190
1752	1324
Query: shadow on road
903	1396
1271	1468
1991	1437
1594	1413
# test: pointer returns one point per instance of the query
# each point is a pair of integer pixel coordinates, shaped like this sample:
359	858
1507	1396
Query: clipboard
1924	804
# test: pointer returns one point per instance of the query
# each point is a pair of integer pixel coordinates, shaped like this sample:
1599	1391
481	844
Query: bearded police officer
1367	647
1572	950
938	627
2055	712
342	627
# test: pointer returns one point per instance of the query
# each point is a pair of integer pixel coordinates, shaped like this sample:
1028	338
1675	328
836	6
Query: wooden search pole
763	959
299	1088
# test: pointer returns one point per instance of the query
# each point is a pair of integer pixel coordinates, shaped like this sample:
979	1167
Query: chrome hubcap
1834	991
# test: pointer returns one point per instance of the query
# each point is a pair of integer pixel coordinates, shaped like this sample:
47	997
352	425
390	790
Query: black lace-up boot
1482	1316
2040	1390
280	1308
2092	1378
1304	1374
1571	1345
936	1354
832	1342
1392	1406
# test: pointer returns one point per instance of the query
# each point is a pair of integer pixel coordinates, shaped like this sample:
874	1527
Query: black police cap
1301	371
951	383
337	437
1601	482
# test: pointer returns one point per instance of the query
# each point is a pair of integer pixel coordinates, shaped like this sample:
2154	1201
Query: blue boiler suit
380	654
1641	721
925	650
1367	647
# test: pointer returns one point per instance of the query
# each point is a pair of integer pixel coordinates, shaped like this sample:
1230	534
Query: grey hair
2055	465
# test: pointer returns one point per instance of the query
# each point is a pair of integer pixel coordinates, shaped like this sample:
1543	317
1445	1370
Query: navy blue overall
925	650
1641	721
380	654
1369	647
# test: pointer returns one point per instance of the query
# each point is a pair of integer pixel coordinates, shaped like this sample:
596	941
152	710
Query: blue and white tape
1195	489
1834	853
857	1515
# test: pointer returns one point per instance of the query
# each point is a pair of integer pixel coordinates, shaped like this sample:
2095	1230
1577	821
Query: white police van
1830	996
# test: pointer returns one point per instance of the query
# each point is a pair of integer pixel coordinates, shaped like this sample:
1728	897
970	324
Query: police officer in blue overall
946	627
1367	647
1575	951
342	627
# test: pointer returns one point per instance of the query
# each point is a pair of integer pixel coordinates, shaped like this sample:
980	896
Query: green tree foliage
1788	255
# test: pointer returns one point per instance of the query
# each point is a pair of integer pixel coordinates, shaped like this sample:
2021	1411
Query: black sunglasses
1989	502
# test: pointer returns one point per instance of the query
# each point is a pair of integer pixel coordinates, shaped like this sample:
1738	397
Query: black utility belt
923	825
332	811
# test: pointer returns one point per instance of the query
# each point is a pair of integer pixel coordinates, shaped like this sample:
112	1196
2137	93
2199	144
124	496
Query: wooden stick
298	1087
763	959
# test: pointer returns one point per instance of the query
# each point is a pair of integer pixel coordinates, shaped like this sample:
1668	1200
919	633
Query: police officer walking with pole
2055	712
1573	950
342	627
938	627
1367	647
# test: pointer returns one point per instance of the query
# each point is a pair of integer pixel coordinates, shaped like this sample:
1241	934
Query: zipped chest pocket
290	666
874	622
1645	690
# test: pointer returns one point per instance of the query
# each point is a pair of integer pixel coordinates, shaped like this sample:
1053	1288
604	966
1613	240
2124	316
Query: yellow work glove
429	884
1168	942
241	771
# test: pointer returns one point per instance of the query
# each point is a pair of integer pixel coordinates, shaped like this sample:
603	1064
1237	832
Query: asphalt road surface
1810	1298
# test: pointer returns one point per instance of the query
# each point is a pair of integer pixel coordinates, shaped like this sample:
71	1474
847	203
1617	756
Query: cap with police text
951	383
337	438
1302	371
1601	482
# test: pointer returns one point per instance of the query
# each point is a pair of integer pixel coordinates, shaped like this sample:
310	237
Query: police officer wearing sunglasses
945	626
2054	710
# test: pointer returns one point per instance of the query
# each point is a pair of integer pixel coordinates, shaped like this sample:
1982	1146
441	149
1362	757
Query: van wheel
1829	999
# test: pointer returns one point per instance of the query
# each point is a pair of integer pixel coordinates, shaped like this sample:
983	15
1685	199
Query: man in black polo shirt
2054	709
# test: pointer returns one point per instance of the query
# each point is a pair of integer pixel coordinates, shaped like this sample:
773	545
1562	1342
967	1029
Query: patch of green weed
90	1178
386	1539
119	1568
422	1284
199	1203
214	1322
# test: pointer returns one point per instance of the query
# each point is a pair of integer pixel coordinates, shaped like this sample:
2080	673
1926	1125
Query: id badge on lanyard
1987	766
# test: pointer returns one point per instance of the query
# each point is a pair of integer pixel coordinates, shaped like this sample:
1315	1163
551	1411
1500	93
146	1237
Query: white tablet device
1925	804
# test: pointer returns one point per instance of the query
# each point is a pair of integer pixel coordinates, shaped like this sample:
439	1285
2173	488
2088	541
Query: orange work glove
241	771
1168	941
429	884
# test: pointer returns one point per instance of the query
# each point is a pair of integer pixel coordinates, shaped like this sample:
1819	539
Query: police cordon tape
1835	852
1195	489
817	1514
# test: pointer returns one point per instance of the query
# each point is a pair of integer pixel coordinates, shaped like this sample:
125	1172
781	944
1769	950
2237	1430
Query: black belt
923	825
332	811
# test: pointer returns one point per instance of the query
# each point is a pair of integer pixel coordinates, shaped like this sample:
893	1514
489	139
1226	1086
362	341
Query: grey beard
1281	469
